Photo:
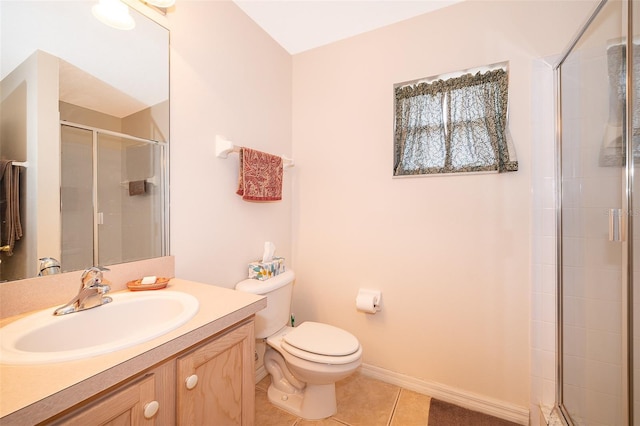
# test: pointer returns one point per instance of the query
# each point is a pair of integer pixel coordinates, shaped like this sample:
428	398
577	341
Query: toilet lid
322	339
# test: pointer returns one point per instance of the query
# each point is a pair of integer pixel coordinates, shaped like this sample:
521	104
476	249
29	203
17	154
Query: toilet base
314	403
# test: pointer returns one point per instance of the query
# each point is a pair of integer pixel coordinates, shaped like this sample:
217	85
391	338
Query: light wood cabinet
212	383
216	382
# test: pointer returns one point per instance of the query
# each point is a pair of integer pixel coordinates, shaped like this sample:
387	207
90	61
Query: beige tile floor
362	401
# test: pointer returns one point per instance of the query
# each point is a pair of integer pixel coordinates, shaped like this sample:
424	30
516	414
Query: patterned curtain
454	125
613	149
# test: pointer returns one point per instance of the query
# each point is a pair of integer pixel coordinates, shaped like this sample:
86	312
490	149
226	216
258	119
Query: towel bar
224	147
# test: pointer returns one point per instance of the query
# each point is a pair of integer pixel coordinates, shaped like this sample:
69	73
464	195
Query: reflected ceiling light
161	3
114	13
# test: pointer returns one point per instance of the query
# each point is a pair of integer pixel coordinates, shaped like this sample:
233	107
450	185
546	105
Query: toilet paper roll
368	301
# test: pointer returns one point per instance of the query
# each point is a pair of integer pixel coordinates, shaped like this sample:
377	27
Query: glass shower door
594	217
130	199
113	194
76	198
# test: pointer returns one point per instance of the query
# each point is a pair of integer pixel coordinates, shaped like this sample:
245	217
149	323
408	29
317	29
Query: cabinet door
216	382
127	406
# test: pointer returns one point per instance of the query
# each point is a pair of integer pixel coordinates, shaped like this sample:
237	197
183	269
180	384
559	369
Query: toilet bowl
305	361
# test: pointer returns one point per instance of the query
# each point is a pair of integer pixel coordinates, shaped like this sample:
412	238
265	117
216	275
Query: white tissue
269	250
368	301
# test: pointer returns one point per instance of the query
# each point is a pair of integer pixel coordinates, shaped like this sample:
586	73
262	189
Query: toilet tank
278	291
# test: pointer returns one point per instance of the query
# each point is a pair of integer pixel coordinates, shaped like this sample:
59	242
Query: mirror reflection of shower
111	197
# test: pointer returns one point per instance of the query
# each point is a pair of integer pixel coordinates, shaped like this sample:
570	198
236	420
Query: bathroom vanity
203	369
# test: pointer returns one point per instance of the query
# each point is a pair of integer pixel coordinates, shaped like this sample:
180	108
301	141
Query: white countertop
32	393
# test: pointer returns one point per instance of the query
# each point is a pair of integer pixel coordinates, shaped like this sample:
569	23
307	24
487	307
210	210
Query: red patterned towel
260	176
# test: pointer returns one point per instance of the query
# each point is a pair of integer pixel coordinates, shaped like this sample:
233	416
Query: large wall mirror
84	119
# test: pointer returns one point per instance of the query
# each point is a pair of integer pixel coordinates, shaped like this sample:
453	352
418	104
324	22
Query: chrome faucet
91	294
48	266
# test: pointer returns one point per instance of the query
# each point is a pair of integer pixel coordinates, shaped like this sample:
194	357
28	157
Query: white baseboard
261	373
483	404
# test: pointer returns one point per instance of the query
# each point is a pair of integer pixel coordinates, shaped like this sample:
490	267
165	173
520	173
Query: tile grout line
428	411
395	405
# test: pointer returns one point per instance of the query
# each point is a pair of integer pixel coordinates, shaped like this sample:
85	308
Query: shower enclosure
598	136
111	196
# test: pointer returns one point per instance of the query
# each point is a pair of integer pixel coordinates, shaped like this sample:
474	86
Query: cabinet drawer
134	404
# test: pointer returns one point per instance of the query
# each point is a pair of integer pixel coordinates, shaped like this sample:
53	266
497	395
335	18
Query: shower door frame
95	133
627	201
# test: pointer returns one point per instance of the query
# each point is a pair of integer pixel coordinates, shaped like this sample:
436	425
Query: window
454	125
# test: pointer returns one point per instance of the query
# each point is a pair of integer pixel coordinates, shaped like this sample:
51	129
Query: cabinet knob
150	409
191	381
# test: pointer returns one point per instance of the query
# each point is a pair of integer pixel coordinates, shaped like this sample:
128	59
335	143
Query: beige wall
229	78
40	213
451	254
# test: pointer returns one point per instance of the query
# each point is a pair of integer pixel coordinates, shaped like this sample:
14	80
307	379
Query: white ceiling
299	25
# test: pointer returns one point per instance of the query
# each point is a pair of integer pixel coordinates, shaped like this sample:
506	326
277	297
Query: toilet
304	362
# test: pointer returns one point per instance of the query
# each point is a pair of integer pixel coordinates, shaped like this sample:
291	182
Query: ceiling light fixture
114	13
161	3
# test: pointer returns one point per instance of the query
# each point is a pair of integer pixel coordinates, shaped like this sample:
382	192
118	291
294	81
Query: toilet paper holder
369	300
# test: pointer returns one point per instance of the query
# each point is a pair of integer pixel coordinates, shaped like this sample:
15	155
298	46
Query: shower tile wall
543	323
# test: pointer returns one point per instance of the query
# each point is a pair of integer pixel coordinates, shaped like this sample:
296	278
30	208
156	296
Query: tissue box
265	270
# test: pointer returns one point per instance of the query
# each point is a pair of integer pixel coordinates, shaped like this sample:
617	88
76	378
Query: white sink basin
132	318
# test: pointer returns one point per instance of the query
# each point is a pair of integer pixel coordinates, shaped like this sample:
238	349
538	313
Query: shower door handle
615	224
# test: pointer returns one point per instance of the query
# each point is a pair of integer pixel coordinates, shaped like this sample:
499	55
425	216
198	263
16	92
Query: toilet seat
320	359
322	343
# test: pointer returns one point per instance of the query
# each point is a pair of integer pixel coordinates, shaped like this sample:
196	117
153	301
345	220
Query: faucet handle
92	276
48	266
